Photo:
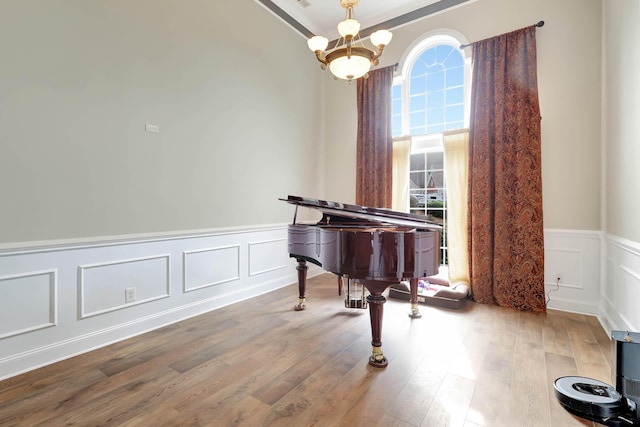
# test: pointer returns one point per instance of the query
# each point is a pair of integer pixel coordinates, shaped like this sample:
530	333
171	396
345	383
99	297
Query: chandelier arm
321	58
377	55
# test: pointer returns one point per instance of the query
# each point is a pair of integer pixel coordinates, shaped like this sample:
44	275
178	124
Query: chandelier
349	59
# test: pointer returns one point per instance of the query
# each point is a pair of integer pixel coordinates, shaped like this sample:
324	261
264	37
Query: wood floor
259	363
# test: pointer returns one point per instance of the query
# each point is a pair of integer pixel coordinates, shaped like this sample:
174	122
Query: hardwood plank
451	404
555	336
528	400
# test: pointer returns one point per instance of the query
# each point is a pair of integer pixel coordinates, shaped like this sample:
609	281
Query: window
428	98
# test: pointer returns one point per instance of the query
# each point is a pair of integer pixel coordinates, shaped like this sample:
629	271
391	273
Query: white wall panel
575	257
621	285
629	296
102	286
210	267
267	256
27	302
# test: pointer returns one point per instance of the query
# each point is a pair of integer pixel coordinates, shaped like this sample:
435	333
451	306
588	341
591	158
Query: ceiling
320	17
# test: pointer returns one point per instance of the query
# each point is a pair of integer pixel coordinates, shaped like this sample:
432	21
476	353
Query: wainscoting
62	300
600	275
620	303
574	256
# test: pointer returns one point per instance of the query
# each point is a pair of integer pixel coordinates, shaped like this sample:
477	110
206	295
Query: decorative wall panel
267	256
103	287
27	302
210	267
574	256
629	296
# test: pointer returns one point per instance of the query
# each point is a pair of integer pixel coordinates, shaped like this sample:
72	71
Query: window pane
435	179
455	113
439	128
396	91
416	199
435	160
396	106
436	216
417	120
419	68
435	116
455	96
436	99
418	85
417	179
417	162
417	103
396	125
428	57
442	52
454	59
455	77
435	81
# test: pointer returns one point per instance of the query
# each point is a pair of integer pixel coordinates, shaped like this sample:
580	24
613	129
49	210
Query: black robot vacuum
600	402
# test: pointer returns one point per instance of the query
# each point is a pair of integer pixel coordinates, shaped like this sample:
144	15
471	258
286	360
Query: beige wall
621	113
238	128
569	88
236	106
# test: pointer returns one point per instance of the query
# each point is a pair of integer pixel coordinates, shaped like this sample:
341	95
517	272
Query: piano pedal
355	296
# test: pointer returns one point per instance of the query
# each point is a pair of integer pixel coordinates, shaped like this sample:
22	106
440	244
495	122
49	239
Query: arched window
430	96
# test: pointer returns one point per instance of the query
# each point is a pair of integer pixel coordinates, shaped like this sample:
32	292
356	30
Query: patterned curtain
374	145
505	183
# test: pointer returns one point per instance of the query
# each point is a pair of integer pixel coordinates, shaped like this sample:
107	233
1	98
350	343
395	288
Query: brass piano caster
415	312
377	359
300	306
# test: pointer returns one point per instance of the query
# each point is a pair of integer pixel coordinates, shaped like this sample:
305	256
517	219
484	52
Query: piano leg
302	283
375	300
415	311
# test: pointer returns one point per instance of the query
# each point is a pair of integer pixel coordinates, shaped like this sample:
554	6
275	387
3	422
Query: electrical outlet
129	295
559	277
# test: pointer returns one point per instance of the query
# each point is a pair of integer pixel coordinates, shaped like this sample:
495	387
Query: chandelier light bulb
348	27
349	68
317	43
381	37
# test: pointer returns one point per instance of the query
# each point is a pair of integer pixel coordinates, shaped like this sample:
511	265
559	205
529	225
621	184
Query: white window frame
431	142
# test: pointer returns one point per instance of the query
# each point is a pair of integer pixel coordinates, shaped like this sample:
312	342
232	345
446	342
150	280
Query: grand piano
374	247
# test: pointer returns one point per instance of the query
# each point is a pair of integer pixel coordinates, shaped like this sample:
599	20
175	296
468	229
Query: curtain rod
537	24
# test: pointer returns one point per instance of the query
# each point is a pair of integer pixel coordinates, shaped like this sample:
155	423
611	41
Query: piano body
372	246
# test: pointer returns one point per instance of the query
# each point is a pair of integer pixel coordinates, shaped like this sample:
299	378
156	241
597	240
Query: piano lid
380	215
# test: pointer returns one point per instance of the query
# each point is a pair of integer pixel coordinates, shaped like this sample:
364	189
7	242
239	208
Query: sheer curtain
456	166
401	159
505	179
374	151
